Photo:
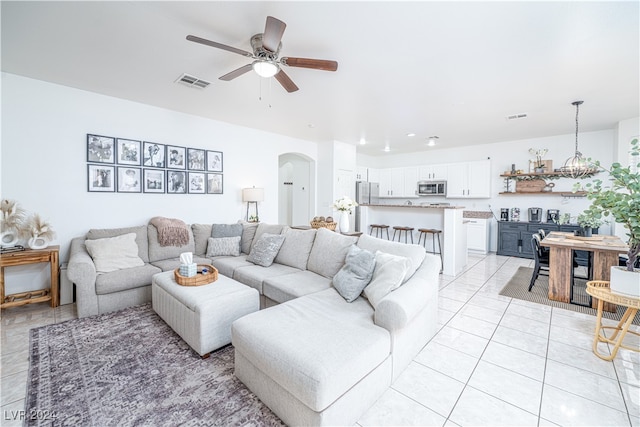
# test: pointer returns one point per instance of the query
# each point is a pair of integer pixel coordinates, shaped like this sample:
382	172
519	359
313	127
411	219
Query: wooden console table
31	256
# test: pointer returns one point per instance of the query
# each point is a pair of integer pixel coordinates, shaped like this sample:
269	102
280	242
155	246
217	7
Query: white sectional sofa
311	356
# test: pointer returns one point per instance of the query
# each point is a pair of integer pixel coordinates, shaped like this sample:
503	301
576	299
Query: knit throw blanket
171	231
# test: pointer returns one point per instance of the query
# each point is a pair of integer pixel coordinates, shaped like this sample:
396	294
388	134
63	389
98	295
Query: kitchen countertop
477	214
412	206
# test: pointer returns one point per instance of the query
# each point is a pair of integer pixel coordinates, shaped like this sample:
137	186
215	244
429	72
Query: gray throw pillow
265	249
223	246
356	273
388	275
227	230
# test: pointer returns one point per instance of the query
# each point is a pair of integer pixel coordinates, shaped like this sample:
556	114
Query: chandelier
576	166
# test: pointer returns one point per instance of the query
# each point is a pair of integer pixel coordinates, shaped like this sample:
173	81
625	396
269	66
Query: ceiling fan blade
286	82
219	45
316	64
236	73
273	31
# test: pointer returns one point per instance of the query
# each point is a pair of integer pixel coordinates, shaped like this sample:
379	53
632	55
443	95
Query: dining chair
541	258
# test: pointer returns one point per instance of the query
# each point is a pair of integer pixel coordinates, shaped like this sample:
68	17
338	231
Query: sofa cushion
158	253
291	286
265	250
266	228
296	248
173	263
122	280
218	246
355	274
227	265
114	253
316	347
329	252
201	234
248	233
141	237
388	275
254	275
415	253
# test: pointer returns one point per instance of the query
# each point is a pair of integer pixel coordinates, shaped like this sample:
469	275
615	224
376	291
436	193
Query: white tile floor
494	361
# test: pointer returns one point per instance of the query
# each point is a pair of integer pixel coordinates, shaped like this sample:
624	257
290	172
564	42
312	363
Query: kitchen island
447	218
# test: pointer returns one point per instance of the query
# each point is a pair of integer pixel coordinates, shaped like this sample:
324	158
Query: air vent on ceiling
192	81
517	116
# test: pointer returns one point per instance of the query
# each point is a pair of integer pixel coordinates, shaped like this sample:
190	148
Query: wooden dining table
605	249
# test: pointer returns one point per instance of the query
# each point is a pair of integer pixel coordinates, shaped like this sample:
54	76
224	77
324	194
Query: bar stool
378	228
406	230
434	233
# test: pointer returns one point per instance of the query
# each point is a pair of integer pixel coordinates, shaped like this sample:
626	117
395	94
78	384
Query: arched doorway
296	189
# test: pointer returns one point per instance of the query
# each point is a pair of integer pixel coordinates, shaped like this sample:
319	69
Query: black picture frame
214	161
176	157
215	183
197	183
129	179
153	181
101	178
176	182
196	159
100	148
154	155
128	152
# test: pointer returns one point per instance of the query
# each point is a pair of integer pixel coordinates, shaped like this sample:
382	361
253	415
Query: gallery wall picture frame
153	155
129	179
215	183
153	181
176	157
197	183
128	152
176	182
214	161
100	178
100	149
196	159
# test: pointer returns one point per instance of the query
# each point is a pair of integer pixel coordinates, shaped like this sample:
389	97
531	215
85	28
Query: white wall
44	167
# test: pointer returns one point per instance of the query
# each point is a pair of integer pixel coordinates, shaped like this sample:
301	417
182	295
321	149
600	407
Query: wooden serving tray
200	278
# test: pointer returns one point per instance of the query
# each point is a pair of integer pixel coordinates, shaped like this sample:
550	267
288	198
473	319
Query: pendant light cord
577	108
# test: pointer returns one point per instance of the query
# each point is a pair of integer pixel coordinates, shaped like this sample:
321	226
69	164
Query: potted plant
621	200
589	220
538	165
345	205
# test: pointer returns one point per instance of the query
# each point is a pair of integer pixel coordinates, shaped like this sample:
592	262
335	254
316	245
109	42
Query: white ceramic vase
625	282
36	242
343	223
9	238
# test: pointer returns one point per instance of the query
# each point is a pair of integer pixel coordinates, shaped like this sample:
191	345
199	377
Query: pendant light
576	166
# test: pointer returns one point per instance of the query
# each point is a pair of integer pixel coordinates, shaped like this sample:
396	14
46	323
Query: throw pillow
114	253
388	275
329	252
248	232
219	246
265	249
355	274
415	253
227	230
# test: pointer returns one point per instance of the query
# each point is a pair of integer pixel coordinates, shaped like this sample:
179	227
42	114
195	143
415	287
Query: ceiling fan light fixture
264	68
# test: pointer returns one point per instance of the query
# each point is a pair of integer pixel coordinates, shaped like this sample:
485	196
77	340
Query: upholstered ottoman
202	315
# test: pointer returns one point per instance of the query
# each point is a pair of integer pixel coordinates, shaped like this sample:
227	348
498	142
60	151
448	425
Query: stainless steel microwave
432	188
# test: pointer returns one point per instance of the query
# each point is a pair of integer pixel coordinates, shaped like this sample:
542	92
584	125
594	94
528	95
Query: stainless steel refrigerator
367	193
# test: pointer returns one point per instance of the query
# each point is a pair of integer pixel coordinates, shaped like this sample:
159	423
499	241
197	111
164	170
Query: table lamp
252	195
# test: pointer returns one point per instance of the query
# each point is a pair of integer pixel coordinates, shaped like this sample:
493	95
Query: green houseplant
620	198
588	221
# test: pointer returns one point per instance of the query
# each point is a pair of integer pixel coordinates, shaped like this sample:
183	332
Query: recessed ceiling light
362	141
410	134
387	149
432	141
311	125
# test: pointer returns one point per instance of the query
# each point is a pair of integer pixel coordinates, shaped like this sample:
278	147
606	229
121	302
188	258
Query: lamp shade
252	194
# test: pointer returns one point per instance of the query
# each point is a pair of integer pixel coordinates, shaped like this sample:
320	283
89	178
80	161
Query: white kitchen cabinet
373	175
478	234
469	180
361	174
398	182
432	172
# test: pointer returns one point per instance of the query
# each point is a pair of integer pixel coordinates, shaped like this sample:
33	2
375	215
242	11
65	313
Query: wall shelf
550	193
544	175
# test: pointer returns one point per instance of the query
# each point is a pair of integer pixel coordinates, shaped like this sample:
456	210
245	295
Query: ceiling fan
266	48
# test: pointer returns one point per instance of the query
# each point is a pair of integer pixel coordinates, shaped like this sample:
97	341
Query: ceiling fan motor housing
260	52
